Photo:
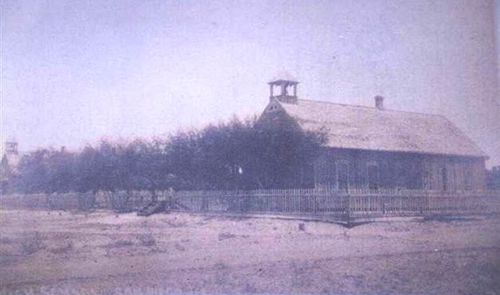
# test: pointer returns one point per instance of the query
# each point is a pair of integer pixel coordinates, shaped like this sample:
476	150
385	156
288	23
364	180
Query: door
343	175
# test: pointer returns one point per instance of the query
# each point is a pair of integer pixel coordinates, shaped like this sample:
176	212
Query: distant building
377	148
8	164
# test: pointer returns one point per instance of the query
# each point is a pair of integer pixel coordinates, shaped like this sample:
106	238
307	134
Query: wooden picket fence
340	205
324	204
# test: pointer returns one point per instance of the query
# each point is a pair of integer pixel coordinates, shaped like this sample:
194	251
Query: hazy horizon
75	72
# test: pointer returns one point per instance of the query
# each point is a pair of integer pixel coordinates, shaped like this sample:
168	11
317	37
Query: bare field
102	253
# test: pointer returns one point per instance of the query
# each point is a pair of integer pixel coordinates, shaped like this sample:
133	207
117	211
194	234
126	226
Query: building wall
393	170
386	170
462	173
493	177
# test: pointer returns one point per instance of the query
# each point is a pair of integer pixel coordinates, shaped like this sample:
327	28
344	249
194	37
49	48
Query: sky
75	72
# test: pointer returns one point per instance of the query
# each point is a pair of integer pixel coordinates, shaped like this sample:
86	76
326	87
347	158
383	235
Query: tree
60	171
5	174
242	155
33	172
232	155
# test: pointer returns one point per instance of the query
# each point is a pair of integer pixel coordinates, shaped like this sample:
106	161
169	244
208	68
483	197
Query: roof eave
486	157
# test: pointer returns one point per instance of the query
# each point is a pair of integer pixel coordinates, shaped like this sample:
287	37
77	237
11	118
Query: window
444	178
468	176
399	177
373	175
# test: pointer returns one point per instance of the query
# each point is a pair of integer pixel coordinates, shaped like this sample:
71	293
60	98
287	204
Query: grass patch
179	247
448	218
120	244
5	240
32	243
147	240
225	236
62	249
176	223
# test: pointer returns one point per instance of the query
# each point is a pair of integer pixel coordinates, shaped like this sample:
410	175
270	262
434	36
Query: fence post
348	208
49	203
204	202
421	205
315	208
170	199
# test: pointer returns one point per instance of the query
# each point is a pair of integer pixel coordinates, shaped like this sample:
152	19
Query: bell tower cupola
283	87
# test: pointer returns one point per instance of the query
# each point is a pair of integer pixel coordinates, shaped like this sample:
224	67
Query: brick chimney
379	102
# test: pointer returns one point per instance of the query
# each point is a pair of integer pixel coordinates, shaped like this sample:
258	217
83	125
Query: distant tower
10	158
11	148
283	87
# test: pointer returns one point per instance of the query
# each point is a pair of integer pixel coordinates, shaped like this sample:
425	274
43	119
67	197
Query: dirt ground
103	253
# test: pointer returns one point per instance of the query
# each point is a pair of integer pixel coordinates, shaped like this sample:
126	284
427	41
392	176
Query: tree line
239	154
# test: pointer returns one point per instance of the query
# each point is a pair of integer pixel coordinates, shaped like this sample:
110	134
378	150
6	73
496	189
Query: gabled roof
359	127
